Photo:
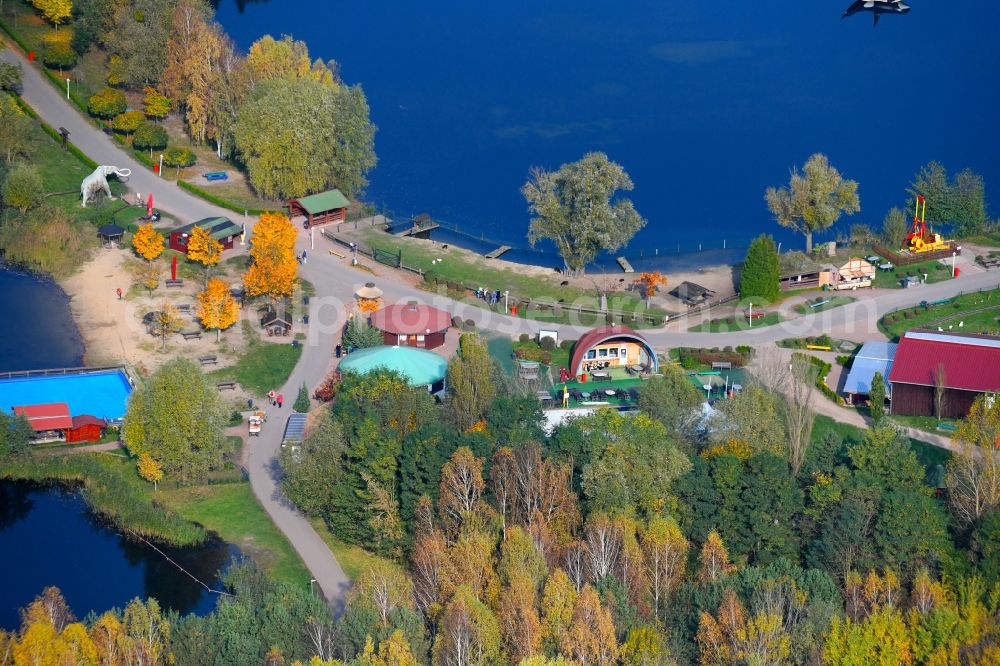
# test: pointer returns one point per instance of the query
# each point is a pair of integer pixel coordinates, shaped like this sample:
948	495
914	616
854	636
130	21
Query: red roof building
412	325
954	367
612	346
46	417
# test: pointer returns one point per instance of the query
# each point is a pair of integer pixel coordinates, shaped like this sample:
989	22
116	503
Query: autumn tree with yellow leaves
203	249
272	250
55	12
148	242
217	308
149	469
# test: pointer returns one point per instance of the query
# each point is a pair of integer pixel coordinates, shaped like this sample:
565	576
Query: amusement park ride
920	239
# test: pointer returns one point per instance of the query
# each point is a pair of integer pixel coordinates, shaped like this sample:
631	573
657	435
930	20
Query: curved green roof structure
419	366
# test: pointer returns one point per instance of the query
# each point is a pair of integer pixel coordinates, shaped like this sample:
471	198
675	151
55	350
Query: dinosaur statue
98	181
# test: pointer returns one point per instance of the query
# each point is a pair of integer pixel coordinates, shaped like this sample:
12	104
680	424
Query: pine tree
876	398
760	272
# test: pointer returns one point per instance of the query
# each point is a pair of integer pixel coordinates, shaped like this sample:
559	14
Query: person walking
271	396
119	293
281	399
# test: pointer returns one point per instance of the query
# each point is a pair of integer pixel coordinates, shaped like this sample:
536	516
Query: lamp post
312	581
161	165
67	87
506	295
953	264
750	317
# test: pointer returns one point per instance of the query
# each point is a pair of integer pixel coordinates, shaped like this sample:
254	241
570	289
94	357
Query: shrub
456	322
469	324
546	357
150	136
128	122
431	278
567	344
745	350
107	103
524	337
727	348
547	343
23	187
59	55
179	158
908	314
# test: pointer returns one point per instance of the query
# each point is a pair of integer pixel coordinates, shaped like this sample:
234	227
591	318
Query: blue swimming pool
102	393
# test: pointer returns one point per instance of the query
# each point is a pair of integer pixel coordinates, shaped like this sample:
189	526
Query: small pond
48	536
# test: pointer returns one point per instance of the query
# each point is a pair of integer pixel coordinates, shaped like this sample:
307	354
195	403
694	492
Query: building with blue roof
871	358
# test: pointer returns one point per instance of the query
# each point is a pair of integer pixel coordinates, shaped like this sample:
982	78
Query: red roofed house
412	325
609	347
963	366
52	421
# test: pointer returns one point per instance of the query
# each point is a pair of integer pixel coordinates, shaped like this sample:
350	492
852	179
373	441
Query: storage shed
221	229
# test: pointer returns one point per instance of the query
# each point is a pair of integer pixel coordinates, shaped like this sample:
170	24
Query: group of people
490	297
276	399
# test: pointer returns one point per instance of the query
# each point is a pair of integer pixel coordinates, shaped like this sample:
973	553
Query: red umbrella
173	268
149	205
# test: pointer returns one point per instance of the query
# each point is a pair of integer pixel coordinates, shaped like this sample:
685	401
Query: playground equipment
256	422
921	239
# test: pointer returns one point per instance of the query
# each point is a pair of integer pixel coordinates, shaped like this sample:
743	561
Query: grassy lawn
460	267
821	303
560	356
991	239
737	323
949	313
262	367
935	270
354	560
925	423
232	511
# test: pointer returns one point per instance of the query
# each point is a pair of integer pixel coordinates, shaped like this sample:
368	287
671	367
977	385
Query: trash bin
305	319
337	350
957	271
513	310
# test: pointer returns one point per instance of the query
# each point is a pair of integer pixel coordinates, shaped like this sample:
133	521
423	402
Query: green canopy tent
420	367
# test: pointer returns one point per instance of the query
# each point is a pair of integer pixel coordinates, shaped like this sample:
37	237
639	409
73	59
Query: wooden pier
497	252
627	267
420	232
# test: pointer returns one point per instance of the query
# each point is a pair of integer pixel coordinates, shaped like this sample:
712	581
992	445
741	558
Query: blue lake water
49	537
704	103
37	330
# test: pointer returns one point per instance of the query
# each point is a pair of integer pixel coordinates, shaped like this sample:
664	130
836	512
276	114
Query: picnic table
600	374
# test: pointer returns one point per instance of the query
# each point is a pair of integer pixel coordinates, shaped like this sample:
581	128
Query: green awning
217	227
322	202
419	366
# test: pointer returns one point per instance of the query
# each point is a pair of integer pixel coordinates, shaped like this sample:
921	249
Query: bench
216	175
208	360
191	335
175	283
336	254
722	365
222	386
184	307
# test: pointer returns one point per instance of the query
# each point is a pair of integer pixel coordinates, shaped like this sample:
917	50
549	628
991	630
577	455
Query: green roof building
323	208
420	367
221	229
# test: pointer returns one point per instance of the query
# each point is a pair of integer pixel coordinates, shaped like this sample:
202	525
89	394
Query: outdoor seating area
691	293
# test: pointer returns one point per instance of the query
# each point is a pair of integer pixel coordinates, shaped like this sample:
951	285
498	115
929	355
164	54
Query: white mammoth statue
98	181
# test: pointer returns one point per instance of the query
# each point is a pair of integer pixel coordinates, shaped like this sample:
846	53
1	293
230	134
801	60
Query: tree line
248	105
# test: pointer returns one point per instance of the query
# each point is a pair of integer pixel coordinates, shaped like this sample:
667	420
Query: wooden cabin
328	207
277	319
221	229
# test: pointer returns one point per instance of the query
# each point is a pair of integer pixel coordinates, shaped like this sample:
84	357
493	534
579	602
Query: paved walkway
336	279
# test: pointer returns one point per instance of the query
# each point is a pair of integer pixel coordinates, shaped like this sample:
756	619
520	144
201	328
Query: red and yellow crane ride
921	239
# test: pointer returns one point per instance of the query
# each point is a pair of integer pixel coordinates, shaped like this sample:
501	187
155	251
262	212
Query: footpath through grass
232	511
978	312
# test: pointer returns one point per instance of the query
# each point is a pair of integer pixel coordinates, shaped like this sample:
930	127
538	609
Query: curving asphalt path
336	279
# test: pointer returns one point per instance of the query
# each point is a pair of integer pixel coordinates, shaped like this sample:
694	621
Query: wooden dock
418	230
627	267
497	252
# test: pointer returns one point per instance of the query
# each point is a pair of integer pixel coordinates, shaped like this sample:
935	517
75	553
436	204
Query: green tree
894	228
334	138
107	103
876	397
59	55
10	76
468	633
760	272
55	12
302	402
179	158
150	136
15	130
47	238
632	464
23	187
960	201
815	198
974	470
359	334
93	21
311	473
752	416
574	208
177	417
138	38
15	435
471	388
673	400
